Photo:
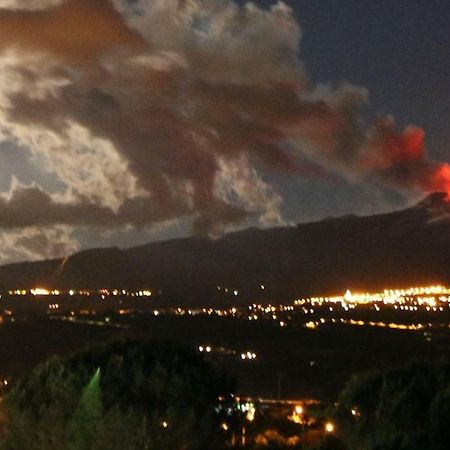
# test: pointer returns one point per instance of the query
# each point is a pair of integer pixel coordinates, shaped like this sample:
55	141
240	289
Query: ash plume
155	110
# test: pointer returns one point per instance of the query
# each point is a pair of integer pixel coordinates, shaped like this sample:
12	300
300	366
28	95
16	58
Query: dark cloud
27	206
78	31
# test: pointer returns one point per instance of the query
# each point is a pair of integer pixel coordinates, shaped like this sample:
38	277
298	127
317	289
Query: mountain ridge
358	252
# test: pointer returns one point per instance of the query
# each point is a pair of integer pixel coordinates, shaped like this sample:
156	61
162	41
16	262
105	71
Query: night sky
123	122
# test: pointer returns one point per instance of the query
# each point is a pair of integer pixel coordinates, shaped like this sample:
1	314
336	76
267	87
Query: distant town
417	308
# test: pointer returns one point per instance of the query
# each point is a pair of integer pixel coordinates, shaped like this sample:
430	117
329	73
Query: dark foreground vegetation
293	362
156	395
403	409
125	395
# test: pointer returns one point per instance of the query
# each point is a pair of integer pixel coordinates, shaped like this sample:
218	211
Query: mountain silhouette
402	248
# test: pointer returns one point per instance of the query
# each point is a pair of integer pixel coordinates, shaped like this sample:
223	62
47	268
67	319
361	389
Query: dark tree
402	409
124	395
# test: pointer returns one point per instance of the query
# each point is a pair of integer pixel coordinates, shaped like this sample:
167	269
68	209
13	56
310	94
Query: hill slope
400	248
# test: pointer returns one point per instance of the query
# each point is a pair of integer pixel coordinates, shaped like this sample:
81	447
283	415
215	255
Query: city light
421	296
40	291
309	312
297	414
248	356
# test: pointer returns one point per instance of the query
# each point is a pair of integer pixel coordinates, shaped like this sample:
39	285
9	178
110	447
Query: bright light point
164	424
251	413
200	348
329	427
299	410
224	427
40	291
208	349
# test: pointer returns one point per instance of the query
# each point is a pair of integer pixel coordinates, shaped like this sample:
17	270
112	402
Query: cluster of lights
434	299
117	292
42	292
394	326
252	312
297	415
363	323
417	296
235	292
233	312
227	290
248	356
223	351
249	409
203	349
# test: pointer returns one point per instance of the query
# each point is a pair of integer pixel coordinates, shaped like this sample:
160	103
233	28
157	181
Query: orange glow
79	30
441	180
408	146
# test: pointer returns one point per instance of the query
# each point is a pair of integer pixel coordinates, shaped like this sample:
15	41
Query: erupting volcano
435	200
401	160
442	181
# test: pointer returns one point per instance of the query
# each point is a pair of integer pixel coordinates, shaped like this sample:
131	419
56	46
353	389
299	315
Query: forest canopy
401	409
125	395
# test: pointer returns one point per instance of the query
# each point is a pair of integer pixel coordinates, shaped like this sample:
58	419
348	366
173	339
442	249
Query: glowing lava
441	180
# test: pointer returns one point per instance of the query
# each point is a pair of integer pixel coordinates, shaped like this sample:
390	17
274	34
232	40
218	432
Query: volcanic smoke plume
154	110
